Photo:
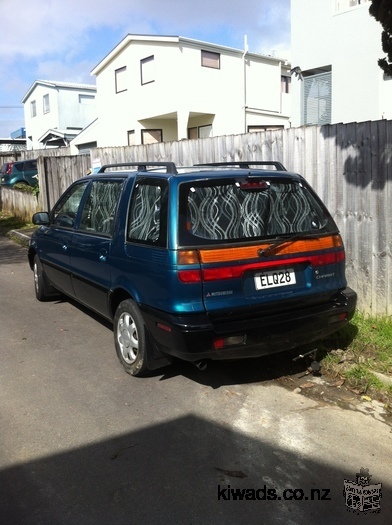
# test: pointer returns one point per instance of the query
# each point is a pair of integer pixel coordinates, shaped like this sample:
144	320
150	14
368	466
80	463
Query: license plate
274	279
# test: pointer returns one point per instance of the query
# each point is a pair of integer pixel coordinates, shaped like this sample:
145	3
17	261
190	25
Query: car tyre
130	338
43	290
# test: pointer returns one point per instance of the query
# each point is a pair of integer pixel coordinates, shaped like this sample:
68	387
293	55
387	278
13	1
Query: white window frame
345	5
33	108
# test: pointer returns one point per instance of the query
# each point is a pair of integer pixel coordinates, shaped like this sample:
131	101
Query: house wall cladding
349	166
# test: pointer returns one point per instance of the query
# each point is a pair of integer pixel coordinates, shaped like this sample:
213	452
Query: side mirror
41	218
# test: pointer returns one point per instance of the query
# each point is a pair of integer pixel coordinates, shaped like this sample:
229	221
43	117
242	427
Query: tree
382	12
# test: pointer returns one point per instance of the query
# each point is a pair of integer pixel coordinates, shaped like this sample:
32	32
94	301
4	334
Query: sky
64	41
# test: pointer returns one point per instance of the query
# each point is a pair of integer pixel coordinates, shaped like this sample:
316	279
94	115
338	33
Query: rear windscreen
249	209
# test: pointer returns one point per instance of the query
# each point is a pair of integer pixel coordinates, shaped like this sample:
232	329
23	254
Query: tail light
331	252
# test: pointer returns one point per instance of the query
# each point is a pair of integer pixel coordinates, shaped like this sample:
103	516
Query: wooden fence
349	166
19	203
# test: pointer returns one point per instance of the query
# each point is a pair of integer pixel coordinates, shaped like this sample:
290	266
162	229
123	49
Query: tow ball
315	366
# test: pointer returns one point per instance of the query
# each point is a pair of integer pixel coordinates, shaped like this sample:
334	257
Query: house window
86	99
46	103
151	136
209	59
131	137
205	131
285	84
193	133
33	108
257	129
200	132
343	5
120	78
317	102
147	70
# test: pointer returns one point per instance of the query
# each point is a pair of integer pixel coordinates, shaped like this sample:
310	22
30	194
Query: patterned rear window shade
226	212
147	222
100	207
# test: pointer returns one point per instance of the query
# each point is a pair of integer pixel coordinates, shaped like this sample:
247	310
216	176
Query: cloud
51	27
52	40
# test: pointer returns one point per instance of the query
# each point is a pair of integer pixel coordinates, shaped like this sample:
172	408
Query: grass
361	355
8	223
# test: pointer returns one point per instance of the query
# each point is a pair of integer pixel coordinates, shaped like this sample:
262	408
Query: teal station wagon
221	261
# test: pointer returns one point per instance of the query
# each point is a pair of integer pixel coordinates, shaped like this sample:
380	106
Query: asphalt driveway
81	442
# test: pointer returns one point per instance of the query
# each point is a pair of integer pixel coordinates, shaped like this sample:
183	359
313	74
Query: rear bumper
191	337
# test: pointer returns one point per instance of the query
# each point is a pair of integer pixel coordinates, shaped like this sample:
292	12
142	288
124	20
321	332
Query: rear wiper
287	238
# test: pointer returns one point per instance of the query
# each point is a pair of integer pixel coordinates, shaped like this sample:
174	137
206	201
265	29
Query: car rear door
30	172
262	244
91	244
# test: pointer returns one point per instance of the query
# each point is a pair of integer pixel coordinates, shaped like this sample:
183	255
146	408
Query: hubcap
36	284
127	338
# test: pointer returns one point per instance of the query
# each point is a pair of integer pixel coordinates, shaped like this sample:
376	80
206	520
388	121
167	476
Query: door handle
103	255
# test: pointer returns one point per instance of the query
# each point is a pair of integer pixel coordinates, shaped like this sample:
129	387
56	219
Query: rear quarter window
147	217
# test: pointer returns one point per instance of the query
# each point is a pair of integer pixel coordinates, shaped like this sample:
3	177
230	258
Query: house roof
127	40
56	137
87	134
56	84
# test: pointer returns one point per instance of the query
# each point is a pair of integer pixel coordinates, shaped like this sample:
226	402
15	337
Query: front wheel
43	290
130	338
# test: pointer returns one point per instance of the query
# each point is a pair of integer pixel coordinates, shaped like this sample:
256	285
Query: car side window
99	209
147	220
64	214
31	165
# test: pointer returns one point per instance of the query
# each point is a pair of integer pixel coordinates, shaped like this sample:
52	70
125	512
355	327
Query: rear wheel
43	290
130	338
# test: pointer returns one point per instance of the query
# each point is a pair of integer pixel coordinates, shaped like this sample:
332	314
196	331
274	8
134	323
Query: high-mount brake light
256	185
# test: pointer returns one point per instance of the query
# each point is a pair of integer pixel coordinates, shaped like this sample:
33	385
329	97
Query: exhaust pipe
201	365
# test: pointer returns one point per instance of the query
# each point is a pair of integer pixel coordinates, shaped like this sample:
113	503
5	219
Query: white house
336	44
166	88
55	112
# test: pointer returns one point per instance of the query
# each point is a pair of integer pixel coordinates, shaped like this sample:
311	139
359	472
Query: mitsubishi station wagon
212	262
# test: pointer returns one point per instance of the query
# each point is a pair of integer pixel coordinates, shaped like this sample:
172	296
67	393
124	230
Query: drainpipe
280	87
246	49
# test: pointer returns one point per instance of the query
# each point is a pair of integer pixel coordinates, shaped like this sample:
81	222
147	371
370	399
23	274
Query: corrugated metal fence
349	165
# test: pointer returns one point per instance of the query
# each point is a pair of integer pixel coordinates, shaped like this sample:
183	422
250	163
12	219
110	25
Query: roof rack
142	166
245	164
